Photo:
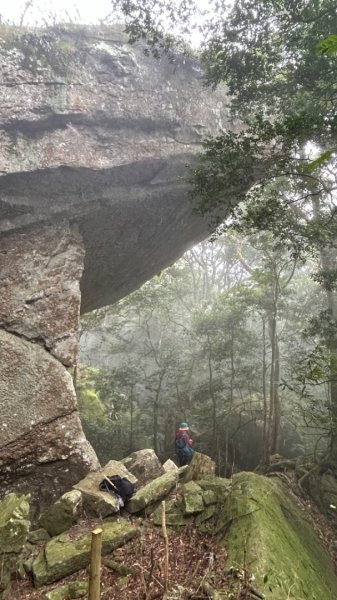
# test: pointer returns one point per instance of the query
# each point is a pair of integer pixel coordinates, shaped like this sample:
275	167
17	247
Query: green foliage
327	46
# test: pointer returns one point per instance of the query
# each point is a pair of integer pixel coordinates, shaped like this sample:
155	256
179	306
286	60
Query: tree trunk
264	392
213	399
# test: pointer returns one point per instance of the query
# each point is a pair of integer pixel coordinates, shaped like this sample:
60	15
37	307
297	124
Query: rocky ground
197	566
249	537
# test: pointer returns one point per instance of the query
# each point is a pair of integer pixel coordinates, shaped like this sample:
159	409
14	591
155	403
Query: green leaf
318	162
328	46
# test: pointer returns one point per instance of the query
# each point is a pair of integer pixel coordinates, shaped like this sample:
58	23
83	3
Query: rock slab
68	553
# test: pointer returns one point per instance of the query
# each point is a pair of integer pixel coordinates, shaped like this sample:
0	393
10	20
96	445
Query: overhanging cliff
95	138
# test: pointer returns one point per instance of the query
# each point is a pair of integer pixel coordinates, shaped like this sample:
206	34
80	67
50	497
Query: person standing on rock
183	445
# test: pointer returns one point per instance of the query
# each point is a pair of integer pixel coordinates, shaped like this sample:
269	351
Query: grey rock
41	437
144	465
102	138
100	503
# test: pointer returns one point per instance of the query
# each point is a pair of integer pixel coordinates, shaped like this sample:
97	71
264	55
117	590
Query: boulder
153	491
95	137
192	500
144	464
201	466
262	525
70	552
63	514
14	528
99	503
169	465
43	450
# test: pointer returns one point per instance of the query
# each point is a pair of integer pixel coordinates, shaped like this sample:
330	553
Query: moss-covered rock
14	523
14	528
193	500
209	497
71	591
60	593
265	528
78	589
70	552
153	491
38	535
218	485
63	514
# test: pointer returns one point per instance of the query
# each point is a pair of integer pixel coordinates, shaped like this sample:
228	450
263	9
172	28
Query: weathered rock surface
94	137
94	131
40	270
100	503
43	448
144	465
70	552
281	545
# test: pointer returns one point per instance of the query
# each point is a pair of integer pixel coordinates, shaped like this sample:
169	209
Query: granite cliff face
94	137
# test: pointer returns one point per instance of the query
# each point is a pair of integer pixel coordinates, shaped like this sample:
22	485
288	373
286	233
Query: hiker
183	445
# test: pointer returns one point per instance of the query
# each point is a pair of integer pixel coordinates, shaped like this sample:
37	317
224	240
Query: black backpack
120	485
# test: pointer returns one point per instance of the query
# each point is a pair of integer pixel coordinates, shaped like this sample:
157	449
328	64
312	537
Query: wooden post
166	557
95	565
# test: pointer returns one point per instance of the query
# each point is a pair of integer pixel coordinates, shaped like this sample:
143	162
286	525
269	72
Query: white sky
85	11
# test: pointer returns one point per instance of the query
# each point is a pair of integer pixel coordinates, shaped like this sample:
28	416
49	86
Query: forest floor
197	563
197	567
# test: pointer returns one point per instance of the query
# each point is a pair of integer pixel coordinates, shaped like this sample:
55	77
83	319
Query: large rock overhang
94	131
95	138
134	219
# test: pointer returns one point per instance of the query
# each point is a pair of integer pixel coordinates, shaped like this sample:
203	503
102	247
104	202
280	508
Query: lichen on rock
70	552
14	528
263	527
153	491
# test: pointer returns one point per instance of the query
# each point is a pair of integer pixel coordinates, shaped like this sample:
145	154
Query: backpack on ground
119	485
